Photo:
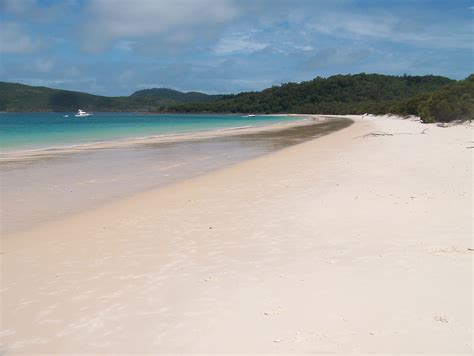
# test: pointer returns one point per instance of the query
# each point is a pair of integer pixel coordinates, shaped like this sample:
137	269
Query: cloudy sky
114	47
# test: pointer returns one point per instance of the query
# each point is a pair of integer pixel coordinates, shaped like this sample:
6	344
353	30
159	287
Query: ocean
25	131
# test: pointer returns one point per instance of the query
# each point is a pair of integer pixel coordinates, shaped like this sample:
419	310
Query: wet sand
53	152
352	243
87	176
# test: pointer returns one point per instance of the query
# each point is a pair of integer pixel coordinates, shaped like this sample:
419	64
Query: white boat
66	116
82	113
249	115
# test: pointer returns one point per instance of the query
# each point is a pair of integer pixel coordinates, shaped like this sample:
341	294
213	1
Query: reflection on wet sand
48	185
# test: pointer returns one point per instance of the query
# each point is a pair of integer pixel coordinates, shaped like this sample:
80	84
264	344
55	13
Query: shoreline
14	155
351	243
82	179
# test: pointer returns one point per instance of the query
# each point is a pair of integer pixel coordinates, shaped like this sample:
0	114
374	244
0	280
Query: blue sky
115	47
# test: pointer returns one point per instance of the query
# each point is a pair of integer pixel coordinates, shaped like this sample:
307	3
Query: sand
45	153
83	180
344	244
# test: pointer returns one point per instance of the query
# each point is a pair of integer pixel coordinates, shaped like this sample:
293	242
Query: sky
115	47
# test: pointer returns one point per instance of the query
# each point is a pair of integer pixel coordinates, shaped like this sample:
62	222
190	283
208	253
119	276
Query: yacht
82	113
249	115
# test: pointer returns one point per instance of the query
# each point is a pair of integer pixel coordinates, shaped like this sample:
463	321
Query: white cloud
126	76
125	45
238	43
349	25
72	72
15	40
164	22
334	57
44	65
386	26
148	85
305	48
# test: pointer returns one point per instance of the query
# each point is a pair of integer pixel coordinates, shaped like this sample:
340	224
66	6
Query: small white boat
66	116
249	115
82	113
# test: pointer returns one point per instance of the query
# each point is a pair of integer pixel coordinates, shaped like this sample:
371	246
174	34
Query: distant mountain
433	98
174	95
20	97
339	94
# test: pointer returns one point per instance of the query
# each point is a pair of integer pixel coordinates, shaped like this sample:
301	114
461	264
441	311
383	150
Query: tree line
433	98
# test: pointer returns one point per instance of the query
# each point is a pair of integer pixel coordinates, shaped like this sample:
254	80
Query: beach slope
355	242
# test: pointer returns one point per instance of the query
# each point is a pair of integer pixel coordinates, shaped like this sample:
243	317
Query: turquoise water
19	131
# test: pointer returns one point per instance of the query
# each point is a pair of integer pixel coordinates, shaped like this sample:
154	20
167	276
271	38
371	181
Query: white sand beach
350	243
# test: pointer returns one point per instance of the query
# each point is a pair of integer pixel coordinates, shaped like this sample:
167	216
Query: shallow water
20	131
39	190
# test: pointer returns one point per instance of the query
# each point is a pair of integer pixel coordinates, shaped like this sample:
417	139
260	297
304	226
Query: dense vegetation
175	96
452	102
433	98
340	94
19	97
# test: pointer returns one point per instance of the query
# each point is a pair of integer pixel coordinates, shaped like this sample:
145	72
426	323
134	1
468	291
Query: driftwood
381	133
375	134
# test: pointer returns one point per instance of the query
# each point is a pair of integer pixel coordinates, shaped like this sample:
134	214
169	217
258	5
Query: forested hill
433	98
452	102
340	94
20	97
174	95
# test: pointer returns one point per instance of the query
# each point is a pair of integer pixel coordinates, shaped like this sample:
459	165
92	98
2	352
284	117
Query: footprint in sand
441	319
276	311
210	279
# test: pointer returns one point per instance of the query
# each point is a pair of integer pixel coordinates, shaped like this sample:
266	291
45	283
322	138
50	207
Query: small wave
26	154
235	128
